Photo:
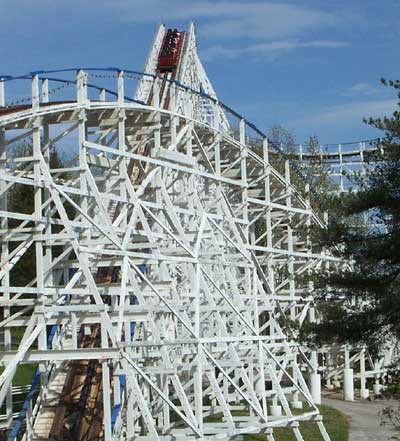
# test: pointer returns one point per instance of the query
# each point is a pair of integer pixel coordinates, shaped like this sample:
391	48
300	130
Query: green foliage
362	300
391	417
21	200
393	388
313	168
316	169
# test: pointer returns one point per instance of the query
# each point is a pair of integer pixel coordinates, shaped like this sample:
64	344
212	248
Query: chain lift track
169	254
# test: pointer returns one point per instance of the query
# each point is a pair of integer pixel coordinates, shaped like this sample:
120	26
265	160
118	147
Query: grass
25	372
23	375
335	423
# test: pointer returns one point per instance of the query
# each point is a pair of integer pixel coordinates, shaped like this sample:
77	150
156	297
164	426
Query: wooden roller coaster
79	415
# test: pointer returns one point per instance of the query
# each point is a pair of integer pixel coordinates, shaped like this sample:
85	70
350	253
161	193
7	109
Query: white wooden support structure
166	260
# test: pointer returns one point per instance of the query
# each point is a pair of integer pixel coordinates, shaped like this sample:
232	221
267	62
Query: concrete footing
315	386
348	384
337	384
276	411
329	385
377	388
296	404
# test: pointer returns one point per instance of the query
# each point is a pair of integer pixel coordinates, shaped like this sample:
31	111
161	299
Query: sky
311	66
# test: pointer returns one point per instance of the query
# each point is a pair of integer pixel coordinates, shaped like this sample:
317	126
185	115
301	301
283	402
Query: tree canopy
360	297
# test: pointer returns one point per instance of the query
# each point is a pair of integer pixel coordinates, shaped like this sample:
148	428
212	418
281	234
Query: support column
315	379
341	177
123	167
5	282
290	259
35	93
276	410
348	378
268	218
166	408
45	91
364	392
260	385
243	174
2	94
39	250
198	373
348	384
130	414
106	389
48	251
157	117
172	108
296	403
377	386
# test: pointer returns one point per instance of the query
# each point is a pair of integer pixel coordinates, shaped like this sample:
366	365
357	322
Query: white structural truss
168	259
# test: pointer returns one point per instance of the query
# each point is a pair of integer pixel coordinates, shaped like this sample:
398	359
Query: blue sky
311	66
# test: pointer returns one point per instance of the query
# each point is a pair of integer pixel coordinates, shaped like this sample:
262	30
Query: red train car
170	50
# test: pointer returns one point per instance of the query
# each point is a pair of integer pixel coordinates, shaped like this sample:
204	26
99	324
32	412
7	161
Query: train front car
170	51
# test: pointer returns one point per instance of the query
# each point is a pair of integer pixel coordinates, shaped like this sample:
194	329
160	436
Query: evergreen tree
360	298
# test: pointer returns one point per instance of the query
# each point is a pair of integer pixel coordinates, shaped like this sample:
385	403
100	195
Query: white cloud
365	89
269	27
267	48
274	25
230	19
347	114
267	20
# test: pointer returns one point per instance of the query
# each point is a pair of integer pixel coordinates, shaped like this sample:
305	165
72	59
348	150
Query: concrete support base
296	404
364	393
348	384
276	411
259	387
377	388
329	385
315	386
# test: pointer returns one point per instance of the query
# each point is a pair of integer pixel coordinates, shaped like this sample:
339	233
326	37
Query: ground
364	417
